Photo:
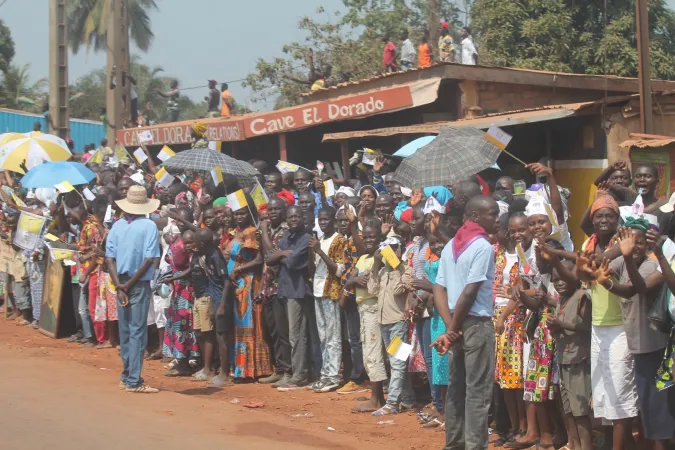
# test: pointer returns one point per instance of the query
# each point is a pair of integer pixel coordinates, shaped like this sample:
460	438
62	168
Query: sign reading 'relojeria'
328	111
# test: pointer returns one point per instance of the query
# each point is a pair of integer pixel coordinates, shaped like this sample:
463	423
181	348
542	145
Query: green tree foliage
88	22
6	55
20	93
6	47
89	91
351	43
572	36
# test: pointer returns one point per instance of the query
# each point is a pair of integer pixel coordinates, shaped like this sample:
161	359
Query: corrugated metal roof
646	143
501	119
477	67
82	132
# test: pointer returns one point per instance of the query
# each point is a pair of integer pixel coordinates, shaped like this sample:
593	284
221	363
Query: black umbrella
456	154
205	160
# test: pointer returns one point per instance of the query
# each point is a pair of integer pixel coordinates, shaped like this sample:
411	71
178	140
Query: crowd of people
509	327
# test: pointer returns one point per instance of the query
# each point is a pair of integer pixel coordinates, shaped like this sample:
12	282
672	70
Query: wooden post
344	153
644	70
58	68
234	149
405	138
118	99
433	25
283	152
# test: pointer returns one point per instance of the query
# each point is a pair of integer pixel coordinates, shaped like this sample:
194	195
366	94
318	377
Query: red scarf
466	235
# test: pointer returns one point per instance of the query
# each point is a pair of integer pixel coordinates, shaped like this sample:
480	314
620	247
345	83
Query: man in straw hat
131	248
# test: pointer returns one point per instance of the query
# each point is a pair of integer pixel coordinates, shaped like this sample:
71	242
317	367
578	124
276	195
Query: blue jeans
330	337
400	383
83	310
353	322
423	329
133	328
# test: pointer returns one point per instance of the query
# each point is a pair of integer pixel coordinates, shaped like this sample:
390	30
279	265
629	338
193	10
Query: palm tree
20	94
88	22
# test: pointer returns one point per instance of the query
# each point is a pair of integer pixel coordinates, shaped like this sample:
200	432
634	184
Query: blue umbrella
411	147
48	174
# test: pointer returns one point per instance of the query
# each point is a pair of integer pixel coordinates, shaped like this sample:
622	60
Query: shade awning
501	120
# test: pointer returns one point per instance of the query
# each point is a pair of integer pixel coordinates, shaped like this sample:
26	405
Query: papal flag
217	175
258	195
165	153
237	200
64	187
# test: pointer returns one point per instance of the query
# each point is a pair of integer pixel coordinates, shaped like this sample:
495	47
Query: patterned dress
179	338
252	357
540	366
508	345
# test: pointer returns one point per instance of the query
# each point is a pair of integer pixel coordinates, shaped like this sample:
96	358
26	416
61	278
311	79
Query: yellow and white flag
140	155
399	349
18	201
51	237
64	187
259	195
390	257
121	153
286	167
164	178
165	153
498	137
96	158
217	175
237	200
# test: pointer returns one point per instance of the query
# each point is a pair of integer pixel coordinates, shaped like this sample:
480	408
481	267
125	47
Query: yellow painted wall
580	182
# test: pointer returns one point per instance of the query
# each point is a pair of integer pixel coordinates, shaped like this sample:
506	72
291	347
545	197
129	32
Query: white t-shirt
321	272
468	50
511	259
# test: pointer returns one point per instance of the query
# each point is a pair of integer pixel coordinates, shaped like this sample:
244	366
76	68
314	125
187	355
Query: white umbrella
32	149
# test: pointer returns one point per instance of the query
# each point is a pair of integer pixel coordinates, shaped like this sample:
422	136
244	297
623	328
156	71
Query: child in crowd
390	284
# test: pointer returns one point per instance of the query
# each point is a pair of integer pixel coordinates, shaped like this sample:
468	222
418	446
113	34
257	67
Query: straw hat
137	202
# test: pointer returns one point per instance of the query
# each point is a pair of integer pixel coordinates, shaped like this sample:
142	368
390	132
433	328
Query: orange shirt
423	55
224	109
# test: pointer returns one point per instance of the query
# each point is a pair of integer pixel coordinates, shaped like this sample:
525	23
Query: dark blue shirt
293	270
209	273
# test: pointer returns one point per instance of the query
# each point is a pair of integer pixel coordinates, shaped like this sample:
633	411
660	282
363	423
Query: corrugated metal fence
82	132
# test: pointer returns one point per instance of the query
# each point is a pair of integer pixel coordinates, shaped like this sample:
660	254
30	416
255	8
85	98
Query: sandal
177	373
217	382
386	410
433	423
201	376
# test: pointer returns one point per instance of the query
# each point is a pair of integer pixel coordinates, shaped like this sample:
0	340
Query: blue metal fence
82	132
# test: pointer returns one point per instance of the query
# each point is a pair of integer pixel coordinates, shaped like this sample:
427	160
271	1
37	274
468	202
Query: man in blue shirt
463	298
303	181
131	249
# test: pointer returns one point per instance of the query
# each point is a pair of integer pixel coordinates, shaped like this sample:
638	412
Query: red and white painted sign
289	119
328	111
180	133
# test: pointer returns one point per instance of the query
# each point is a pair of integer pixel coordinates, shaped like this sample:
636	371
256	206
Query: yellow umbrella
6	137
32	149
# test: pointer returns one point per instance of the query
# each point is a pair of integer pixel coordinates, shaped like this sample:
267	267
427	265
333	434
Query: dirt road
60	396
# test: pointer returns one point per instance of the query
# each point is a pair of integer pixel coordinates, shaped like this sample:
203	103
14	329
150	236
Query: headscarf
191	200
637	223
536	207
349	192
604	201
442	194
220	201
372	188
199	128
406	216
287	197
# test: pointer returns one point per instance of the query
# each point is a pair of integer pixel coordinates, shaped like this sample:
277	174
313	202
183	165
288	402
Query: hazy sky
195	40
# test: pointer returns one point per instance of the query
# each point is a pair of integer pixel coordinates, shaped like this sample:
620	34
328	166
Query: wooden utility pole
434	24
118	97
644	69
58	68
